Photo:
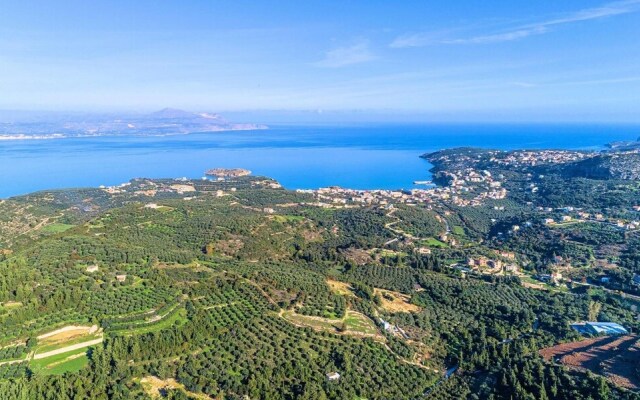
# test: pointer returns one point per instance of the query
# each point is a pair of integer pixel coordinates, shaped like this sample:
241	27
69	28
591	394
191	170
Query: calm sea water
362	157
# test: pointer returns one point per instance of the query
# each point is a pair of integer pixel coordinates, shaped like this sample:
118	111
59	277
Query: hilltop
617	165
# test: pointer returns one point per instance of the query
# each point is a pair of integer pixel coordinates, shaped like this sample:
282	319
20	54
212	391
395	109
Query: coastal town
467	188
466	182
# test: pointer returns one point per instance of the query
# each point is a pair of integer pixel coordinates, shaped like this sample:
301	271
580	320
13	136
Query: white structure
92	268
333	376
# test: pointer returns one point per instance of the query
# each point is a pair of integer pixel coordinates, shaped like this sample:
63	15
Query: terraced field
353	324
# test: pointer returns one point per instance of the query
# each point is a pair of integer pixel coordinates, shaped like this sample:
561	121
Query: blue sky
462	60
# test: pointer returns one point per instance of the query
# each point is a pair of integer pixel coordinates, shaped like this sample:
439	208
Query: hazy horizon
330	117
573	61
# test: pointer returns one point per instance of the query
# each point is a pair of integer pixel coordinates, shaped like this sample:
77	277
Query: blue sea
355	156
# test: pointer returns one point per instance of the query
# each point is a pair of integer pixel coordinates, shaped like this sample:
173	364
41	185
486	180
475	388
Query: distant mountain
172	113
168	121
176	114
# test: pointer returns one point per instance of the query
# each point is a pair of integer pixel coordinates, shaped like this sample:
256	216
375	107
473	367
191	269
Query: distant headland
166	122
625	145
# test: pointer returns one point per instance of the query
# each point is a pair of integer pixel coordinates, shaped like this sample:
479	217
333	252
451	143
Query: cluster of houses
335	196
268	183
468	188
554	277
493	266
503	263
518	158
576	215
179	186
488	265
151	188
120	277
532	158
122	188
466	183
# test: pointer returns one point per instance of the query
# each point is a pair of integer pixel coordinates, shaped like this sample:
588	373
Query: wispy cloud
523	31
348	55
501	37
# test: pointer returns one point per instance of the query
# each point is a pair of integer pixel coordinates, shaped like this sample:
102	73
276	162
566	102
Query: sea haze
360	157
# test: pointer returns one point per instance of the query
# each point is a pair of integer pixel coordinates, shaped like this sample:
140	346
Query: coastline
369	157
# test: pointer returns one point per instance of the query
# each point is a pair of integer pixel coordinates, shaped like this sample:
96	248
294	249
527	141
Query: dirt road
66	349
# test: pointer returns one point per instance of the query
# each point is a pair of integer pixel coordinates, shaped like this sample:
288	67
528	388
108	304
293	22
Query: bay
354	156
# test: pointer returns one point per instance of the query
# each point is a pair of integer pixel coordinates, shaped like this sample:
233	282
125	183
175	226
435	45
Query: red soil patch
617	358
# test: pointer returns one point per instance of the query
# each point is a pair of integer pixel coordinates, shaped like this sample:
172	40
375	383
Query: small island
228	172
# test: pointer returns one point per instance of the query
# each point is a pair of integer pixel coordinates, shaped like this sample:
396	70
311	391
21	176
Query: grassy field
56	228
458	230
287	218
353	323
395	301
179	316
325	324
433	242
70	365
529	281
9	305
566	223
357	322
390	253
66	362
95	224
341	288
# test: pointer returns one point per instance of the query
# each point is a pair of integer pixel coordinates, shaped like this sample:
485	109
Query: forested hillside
241	289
